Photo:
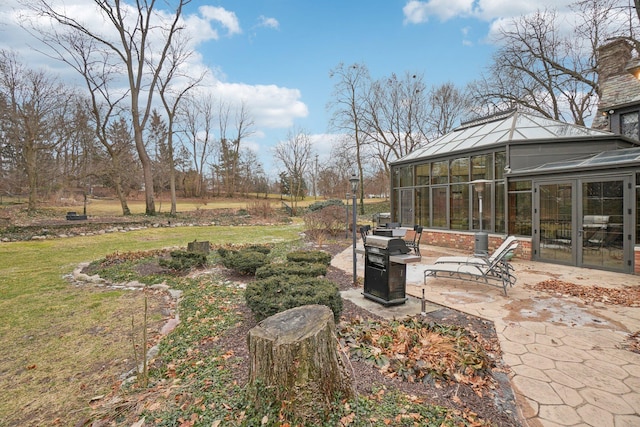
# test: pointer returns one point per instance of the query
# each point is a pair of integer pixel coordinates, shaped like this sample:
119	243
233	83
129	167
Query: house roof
500	128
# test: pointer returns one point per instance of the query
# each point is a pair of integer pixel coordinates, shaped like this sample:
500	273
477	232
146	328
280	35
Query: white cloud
268	22
270	106
228	19
417	12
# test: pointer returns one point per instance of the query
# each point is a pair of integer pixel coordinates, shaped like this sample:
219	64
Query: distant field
111	207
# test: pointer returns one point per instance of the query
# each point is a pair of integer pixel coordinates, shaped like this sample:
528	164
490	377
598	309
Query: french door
583	222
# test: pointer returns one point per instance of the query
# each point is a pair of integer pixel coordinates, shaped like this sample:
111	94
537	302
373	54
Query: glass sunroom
569	193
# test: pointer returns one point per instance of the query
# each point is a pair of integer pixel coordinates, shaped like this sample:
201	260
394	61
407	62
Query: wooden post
294	358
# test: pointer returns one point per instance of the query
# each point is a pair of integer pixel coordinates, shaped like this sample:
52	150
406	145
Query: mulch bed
497	408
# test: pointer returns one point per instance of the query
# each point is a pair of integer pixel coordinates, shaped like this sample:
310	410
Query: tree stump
295	364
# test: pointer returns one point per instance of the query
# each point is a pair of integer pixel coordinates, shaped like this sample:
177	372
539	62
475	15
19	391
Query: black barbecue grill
385	269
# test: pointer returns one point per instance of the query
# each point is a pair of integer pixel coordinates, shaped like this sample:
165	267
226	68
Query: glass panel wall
487	204
460	170
444	197
439	213
422	206
422	174
482	167
499	215
459	207
406	176
440	172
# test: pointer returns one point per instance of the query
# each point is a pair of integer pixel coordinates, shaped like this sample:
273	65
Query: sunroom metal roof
501	128
618	158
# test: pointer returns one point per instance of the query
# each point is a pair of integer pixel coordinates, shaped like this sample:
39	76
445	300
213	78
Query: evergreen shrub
320	257
244	261
183	260
303	269
274	294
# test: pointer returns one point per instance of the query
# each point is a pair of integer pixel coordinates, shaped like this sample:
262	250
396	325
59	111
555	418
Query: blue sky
276	55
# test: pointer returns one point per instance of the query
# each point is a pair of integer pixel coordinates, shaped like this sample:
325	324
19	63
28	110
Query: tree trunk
294	358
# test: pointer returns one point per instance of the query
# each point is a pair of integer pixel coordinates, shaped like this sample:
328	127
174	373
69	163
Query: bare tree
543	67
447	105
396	115
294	155
143	38
230	145
334	174
197	131
36	110
350	93
172	96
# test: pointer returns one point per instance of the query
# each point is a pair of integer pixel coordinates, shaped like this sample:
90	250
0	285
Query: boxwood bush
274	294
244	261
320	257
183	260
303	269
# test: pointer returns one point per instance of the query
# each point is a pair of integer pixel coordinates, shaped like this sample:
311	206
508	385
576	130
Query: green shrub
317	206
321	257
223	252
245	261
182	260
258	248
302	269
275	294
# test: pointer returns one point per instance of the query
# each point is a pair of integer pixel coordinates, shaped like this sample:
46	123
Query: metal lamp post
482	239
346	227
354	188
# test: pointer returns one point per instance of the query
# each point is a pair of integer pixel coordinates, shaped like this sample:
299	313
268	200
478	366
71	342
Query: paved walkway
568	365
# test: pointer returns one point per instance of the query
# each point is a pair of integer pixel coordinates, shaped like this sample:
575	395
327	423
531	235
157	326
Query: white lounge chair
477	259
495	273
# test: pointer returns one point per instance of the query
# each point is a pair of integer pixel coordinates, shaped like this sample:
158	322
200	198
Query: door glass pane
602	224
520	213
555	222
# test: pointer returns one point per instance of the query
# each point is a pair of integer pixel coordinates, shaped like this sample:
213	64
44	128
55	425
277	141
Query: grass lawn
62	345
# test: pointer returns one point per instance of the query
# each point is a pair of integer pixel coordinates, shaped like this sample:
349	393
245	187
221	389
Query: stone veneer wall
636	265
465	241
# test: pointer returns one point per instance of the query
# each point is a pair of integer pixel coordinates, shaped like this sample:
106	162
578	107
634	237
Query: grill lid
391	244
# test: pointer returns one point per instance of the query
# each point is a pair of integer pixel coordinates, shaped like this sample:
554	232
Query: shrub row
319	257
275	294
302	269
